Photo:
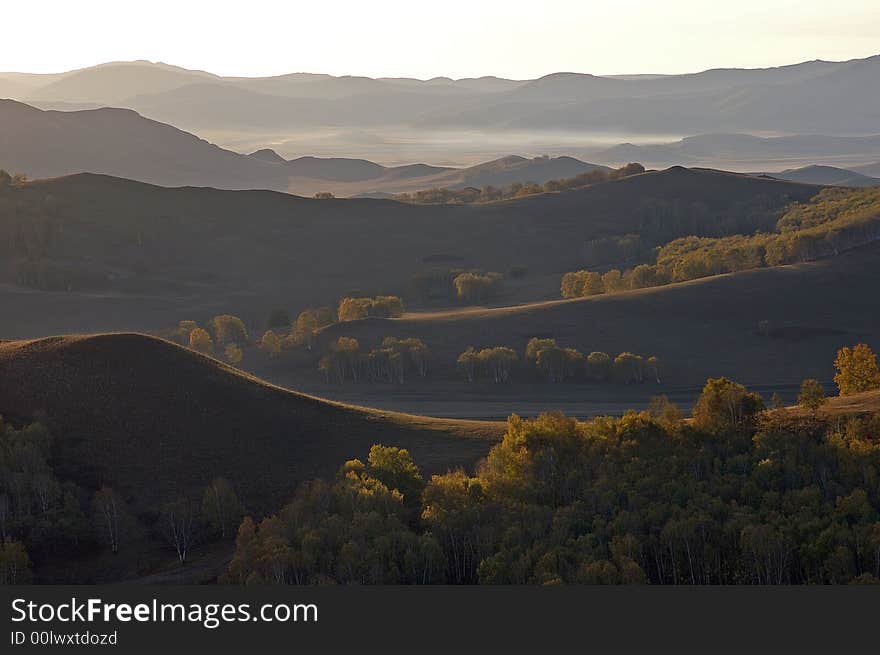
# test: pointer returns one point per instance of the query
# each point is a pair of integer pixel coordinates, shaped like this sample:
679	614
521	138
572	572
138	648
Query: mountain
152	419
123	255
122	143
872	169
810	97
827	175
114	82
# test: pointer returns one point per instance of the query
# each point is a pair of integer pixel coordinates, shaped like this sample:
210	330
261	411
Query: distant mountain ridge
813	96
122	143
827	175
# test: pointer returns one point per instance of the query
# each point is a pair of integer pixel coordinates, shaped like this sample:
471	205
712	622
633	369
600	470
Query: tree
228	329
653	363
395	468
612	281
629	368
15	565
270	343
497	362
341	359
201	341
467	362
475	287
856	370
356	308
725	404
221	507
183	330
107	508
308	323
599	365
233	354
812	396
178	524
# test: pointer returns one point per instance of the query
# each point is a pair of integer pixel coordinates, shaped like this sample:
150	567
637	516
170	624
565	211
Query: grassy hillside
698	329
153	419
104	240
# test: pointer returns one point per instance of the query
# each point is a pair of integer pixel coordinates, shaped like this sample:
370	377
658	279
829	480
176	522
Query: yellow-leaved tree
856	369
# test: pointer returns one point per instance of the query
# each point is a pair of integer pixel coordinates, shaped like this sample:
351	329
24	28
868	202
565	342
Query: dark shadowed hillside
103	241
150	418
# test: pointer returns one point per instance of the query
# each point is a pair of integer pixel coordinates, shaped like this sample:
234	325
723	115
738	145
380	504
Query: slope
114	250
698	329
153	419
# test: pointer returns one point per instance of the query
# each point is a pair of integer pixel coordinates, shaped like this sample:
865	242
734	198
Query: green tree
812	396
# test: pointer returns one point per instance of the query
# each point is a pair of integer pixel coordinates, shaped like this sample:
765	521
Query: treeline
394	360
44	516
833	221
468	195
546	359
227	336
738	495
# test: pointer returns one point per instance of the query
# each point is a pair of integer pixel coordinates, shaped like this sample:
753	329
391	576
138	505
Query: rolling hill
699	329
122	143
124	255
153	419
827	175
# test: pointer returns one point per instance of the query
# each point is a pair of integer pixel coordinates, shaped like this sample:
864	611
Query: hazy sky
421	38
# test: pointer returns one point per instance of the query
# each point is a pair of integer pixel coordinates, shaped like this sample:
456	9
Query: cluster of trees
557	364
227	336
493	364
460	285
393	361
446	196
833	221
737	495
305	327
352	309
477	288
43	515
546	358
224	334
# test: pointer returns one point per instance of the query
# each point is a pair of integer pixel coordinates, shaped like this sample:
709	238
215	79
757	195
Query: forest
737	494
832	222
